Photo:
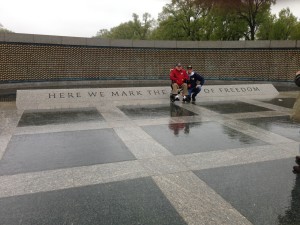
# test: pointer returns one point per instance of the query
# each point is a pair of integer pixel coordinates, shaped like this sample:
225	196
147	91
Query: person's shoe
193	98
172	98
177	98
296	169
184	98
297	160
188	98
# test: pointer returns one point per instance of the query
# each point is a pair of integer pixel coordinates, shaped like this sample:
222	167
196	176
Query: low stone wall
92	97
32	58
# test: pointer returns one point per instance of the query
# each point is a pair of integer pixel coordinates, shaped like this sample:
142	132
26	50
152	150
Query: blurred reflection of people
177	111
296	117
292	214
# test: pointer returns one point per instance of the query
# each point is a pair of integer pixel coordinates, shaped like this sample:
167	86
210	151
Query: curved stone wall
27	57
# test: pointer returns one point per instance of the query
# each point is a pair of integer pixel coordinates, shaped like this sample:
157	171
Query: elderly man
179	78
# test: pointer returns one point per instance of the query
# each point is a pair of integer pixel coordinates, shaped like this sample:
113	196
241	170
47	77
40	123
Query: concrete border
80	41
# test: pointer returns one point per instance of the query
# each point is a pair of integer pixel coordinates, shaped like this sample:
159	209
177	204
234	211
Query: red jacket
178	76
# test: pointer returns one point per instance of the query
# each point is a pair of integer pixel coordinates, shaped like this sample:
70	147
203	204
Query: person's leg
196	91
185	89
185	93
175	96
190	90
175	89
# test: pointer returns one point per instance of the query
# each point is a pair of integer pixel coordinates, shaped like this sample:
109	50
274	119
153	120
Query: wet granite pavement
151	162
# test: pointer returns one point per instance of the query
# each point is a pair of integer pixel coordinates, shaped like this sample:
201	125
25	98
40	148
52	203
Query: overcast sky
83	18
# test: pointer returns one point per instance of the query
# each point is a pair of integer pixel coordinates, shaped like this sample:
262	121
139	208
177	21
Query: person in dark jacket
179	79
195	83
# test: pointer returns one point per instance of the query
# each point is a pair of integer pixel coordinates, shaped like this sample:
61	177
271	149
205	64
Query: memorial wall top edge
81	41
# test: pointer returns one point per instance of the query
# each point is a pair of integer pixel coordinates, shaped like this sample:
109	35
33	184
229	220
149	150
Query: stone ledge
62	98
82	41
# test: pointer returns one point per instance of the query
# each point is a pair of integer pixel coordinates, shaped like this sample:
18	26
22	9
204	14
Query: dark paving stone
266	193
183	138
284	102
129	202
36	152
58	116
290	87
226	107
155	111
282	125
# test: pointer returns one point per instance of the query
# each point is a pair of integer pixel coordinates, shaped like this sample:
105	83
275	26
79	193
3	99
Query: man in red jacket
179	78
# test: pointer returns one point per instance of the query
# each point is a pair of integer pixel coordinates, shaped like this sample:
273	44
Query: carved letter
92	94
115	94
52	95
70	95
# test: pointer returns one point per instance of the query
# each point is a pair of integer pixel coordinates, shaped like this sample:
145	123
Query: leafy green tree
103	33
180	20
212	19
253	12
223	24
4	30
284	25
265	31
295	33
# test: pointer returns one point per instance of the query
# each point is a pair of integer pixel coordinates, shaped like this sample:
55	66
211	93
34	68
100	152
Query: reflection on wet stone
292	214
225	107
58	116
284	102
201	137
155	111
282	125
38	152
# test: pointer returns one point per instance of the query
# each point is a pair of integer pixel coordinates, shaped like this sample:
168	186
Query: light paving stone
114	115
213	159
48	181
12	185
107	173
131	133
162	165
196	202
146	148
26	183
121	123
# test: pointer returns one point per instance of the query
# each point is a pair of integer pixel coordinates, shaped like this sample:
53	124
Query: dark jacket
195	79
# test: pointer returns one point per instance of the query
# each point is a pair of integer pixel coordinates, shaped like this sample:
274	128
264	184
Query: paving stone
35	152
129	202
186	138
265	192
